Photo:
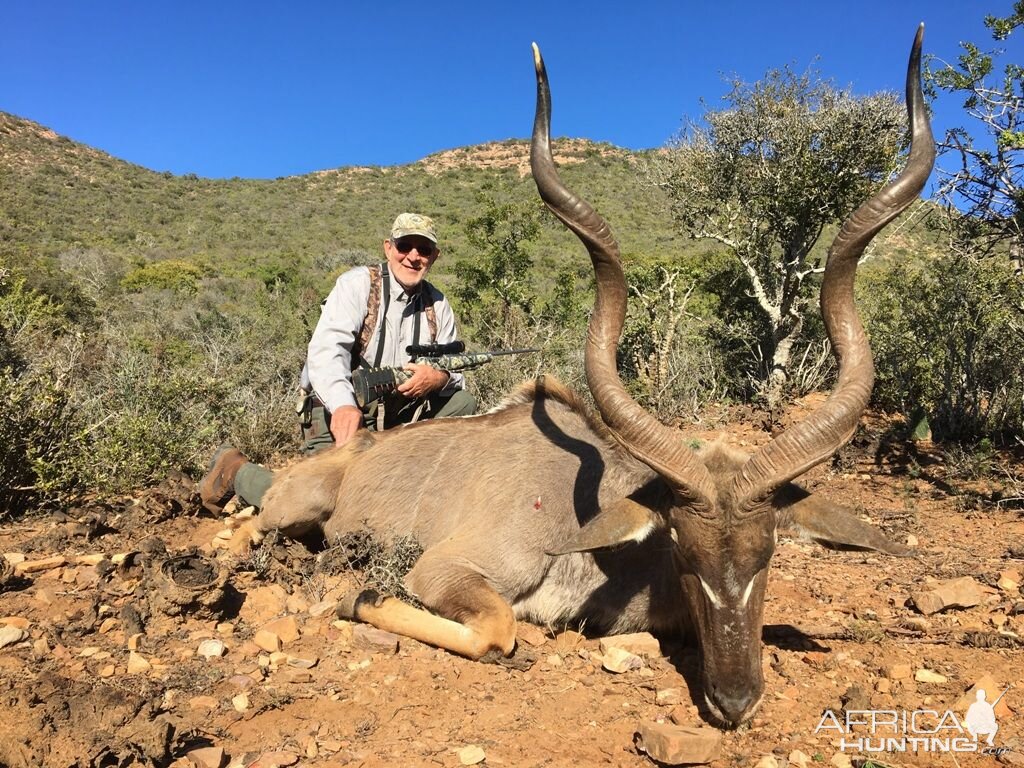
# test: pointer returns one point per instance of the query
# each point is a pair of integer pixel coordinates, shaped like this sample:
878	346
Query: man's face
410	258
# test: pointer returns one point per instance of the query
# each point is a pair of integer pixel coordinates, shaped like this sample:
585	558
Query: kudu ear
832	524
619	522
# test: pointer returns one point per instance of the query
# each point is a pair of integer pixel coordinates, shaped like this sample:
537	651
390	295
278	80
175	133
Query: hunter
369	318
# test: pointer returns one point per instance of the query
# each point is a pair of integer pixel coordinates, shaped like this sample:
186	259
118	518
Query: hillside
56	194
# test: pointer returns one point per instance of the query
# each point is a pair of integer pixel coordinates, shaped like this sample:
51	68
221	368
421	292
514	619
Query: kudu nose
734	705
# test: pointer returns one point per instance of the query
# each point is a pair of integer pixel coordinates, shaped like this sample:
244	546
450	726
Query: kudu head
723	509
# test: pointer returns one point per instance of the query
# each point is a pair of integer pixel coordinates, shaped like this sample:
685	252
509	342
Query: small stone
301	663
211	649
669	696
89	651
674	744
530	634
285	628
929	676
279	759
768	761
964	592
841	760
203	702
323	608
240	702
9	635
34	566
16	621
911	540
107	625
899	672
94	559
799	759
206	757
14	558
135	641
471	755
569	641
267	640
107	671
618	661
1009	581
137	665
374	640
554	660
40	648
638	643
277	659
244	682
883	686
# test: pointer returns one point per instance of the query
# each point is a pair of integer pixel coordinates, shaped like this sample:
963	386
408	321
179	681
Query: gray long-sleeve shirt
329	362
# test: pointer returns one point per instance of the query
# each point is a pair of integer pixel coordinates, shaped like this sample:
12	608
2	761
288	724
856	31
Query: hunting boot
218	484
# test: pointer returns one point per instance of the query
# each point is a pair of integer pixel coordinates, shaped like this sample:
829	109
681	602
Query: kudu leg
474	619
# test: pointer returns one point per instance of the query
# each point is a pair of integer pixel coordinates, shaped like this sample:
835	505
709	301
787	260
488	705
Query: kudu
542	511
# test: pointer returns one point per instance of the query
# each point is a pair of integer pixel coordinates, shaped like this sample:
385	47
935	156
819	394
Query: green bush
947	338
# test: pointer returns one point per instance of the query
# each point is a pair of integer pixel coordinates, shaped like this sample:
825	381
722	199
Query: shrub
947	338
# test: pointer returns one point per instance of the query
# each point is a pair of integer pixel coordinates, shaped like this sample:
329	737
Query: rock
107	671
798	759
94	559
899	672
618	661
669	696
211	649
267	640
1009	581
911	540
554	660
278	759
285	628
929	676
135	641
14	558
34	566
883	686
301	663
674	744
638	643
137	665
203	702
16	621
471	755
569	641
206	757
530	634
841	760
323	608
9	635
768	761
240	702
964	592
374	640
296	603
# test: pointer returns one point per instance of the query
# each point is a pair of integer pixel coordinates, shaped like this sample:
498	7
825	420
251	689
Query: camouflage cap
414	224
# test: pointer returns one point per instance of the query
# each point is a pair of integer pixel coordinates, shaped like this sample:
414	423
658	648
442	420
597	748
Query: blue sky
255	89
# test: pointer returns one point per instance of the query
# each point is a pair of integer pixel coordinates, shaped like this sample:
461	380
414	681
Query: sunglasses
406	246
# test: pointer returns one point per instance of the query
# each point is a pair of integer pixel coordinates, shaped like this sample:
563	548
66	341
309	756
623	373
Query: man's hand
345	422
425	379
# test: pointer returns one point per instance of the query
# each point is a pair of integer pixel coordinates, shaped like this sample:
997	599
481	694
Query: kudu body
543	511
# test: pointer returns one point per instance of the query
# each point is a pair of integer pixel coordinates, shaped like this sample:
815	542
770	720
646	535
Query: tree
494	292
788	156
984	193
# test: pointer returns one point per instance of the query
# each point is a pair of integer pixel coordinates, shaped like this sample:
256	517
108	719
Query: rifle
372	383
